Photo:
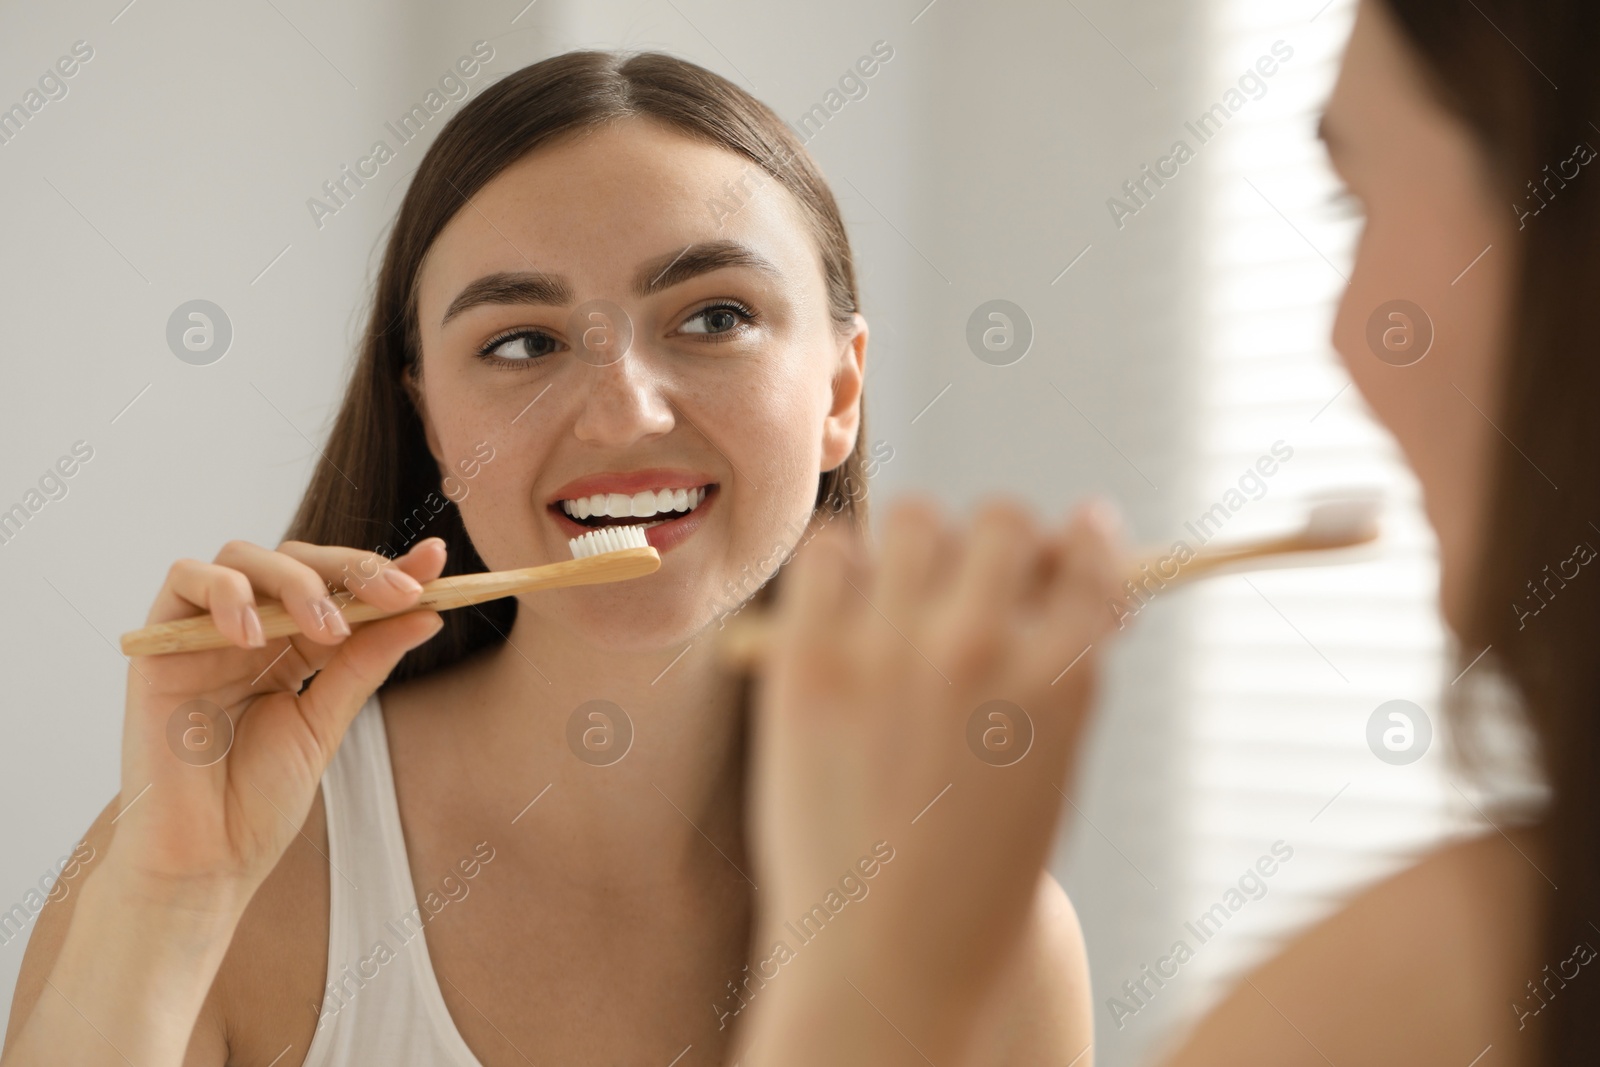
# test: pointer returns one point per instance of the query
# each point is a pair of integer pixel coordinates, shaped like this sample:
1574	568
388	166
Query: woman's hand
924	704
208	808
222	752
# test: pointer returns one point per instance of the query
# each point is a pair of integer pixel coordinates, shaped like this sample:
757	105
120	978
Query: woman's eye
717	319
523	346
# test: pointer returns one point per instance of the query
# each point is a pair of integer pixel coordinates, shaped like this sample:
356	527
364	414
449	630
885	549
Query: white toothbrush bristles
608	539
1341	522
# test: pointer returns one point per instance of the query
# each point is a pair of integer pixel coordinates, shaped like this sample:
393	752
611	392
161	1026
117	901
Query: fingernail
252	626
328	614
401	580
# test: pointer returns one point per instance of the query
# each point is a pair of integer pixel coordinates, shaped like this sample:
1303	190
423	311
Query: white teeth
641	505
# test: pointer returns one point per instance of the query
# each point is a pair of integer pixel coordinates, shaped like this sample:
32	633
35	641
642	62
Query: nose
625	404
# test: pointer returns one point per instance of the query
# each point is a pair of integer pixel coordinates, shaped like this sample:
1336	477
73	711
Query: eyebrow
666	271
510	287
653	276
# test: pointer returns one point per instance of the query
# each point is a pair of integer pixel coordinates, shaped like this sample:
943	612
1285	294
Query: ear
839	429
410	379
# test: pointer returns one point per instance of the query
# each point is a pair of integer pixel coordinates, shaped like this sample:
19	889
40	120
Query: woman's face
1438	239
636	323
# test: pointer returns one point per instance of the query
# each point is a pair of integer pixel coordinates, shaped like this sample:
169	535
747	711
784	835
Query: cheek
497	490
792	418
1411	285
770	425
499	496
772	414
1438	409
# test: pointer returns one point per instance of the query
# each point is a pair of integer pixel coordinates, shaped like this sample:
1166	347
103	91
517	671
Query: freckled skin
754	411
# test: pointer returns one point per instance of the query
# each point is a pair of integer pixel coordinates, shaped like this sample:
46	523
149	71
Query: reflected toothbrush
1334	524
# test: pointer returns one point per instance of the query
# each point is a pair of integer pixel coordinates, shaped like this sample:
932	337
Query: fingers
390	584
1002	597
302	591
1000	605
916	547
227	594
1088	570
817	603
1093	561
1000	557
357	669
300	576
425	560
818	578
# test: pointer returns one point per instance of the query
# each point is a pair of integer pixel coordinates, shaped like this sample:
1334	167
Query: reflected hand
874	724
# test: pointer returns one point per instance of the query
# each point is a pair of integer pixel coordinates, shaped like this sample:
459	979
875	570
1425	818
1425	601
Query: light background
1168	354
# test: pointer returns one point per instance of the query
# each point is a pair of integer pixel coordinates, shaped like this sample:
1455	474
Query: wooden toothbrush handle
746	637
198	633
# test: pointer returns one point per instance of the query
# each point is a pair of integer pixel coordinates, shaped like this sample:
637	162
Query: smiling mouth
647	508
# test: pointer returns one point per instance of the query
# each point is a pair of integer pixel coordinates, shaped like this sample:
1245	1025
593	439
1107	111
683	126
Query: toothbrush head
1351	521
608	539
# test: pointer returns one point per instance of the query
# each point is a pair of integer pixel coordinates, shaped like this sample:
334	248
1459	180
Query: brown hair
377	486
1498	68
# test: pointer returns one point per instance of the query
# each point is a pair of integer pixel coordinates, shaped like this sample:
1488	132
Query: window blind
1288	666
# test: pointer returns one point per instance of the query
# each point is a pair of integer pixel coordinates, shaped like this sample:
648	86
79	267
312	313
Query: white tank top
382	1002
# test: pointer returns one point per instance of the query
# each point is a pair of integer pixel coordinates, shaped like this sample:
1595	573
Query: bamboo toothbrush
1332	525
610	554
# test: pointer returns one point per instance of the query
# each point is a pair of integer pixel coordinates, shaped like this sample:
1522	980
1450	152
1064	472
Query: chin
1457	578
638	625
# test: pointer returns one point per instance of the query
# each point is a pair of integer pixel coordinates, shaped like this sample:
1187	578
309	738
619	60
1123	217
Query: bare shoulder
55	902
1040	1010
268	989
1423	967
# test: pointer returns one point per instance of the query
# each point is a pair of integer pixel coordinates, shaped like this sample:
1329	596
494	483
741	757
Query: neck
677	783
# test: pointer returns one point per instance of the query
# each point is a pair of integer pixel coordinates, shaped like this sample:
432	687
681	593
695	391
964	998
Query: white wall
177	167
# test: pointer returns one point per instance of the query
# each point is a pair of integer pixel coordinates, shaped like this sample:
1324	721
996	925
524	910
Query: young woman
617	290
1465	131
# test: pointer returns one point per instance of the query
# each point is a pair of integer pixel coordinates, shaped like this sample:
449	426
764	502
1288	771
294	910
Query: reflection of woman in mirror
554	787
